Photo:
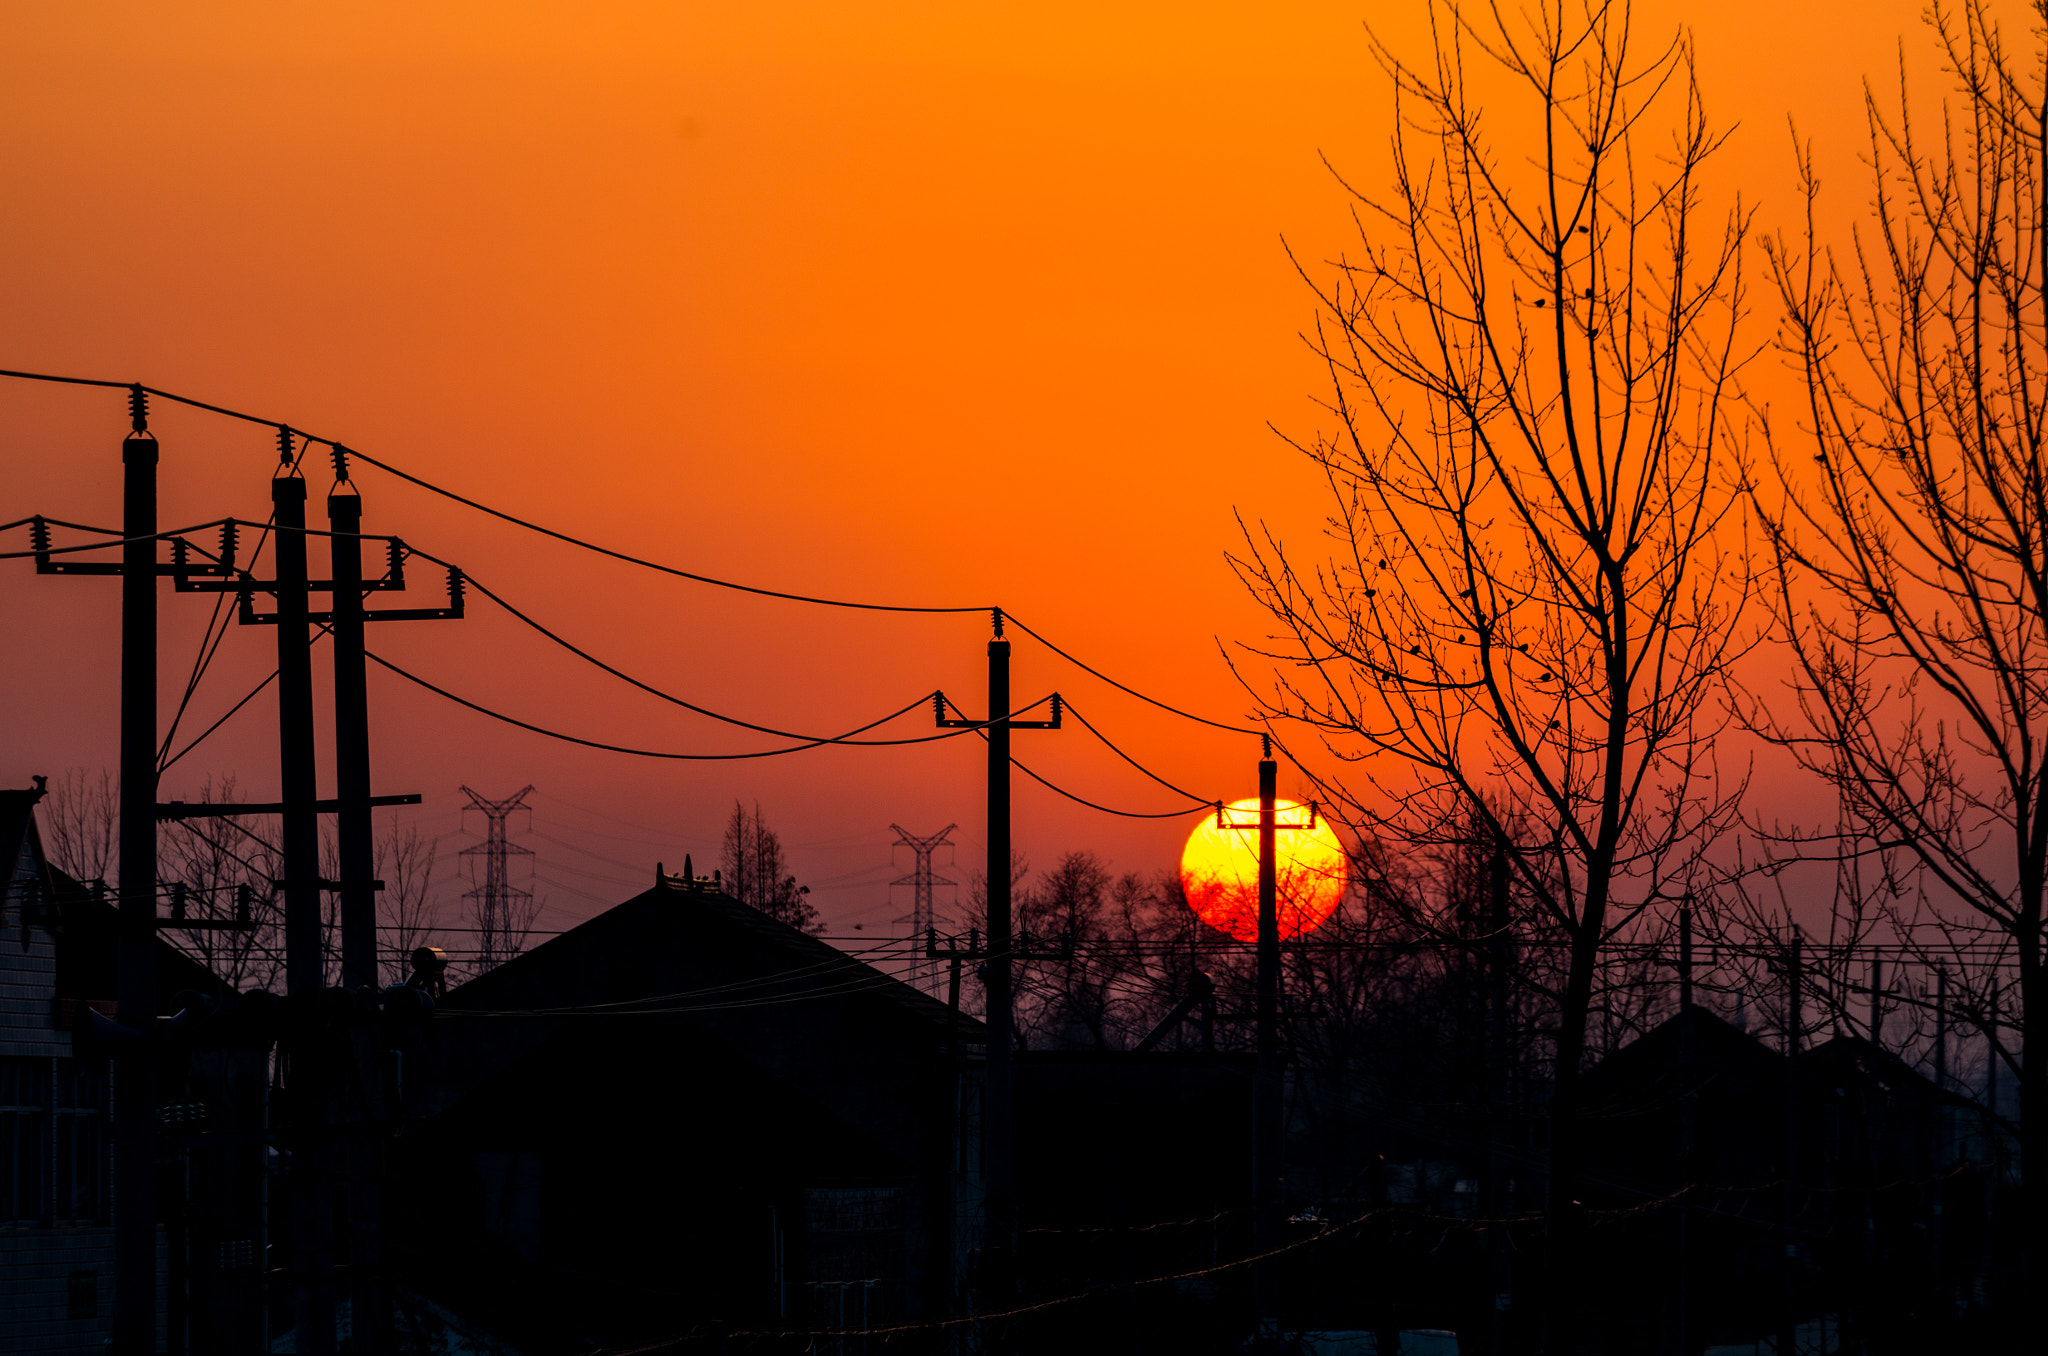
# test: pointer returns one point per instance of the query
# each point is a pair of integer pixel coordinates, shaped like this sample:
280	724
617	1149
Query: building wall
57	1289
56	1151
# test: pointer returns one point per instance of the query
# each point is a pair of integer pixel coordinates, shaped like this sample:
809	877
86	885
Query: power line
1106	742
626	557
649	688
1121	687
640	869
660	753
248	697
168	534
650	564
1203	808
514	519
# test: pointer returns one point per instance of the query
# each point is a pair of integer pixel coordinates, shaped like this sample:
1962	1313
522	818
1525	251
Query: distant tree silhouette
1908	524
1530	602
213	857
80	823
756	875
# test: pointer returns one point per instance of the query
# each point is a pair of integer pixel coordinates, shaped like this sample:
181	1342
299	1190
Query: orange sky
921	302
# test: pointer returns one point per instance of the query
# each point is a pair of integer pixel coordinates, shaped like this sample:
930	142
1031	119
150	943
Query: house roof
1856	1059
87	925
17	823
816	968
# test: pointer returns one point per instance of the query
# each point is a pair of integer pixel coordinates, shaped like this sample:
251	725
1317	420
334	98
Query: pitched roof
817	968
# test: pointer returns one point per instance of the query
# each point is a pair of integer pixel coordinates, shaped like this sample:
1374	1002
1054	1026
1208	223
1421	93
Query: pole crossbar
172	811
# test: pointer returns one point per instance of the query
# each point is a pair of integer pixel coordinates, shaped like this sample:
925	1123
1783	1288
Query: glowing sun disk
1219	870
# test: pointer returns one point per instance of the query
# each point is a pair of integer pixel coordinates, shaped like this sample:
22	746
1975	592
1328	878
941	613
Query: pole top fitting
996	617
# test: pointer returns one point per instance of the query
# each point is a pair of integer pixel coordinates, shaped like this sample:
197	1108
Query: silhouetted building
1132	1168
57	970
1725	1185
684	1114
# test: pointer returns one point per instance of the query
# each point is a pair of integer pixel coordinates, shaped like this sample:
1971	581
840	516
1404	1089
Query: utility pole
1794	1006
1500	1245
496	897
135	1112
318	1061
356	859
310	1109
135	1081
1942	1143
1268	1087
356	851
1688	1125
921	880
999	1249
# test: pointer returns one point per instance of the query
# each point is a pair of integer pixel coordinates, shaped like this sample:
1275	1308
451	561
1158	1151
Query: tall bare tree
1529	604
1909	526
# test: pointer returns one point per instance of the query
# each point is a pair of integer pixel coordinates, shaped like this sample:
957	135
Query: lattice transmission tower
921	882
502	912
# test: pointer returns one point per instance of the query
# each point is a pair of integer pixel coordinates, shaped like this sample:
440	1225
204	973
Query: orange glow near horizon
1219	869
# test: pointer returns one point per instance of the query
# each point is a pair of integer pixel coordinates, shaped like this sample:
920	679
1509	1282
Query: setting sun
1219	869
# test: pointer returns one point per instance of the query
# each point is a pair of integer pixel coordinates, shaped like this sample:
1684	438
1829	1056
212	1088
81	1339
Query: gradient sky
911	302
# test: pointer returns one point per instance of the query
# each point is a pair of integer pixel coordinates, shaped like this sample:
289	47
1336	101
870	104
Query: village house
57	969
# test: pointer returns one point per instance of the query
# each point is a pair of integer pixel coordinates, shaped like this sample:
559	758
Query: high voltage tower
921	880
498	903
